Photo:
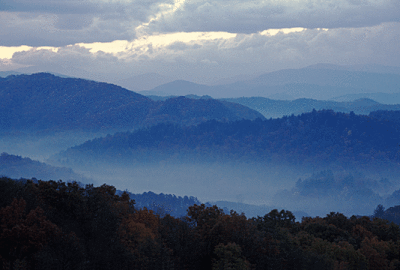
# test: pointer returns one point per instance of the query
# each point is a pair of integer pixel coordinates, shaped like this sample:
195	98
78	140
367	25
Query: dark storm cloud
46	6
138	9
58	30
63	22
254	16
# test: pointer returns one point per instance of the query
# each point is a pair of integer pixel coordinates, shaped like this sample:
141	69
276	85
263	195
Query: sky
200	41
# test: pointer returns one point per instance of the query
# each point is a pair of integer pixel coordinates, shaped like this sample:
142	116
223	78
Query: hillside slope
46	102
19	167
322	137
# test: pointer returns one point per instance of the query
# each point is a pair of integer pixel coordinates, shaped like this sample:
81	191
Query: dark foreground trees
58	225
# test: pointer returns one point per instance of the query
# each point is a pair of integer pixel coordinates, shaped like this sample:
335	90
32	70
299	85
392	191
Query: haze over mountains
217	149
255	159
317	82
271	108
320	81
42	114
17	167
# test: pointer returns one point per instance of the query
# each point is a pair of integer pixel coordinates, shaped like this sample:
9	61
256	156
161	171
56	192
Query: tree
140	234
229	257
23	235
379	212
62	253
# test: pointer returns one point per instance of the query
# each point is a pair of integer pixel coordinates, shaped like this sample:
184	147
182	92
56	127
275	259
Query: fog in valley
237	182
271	185
314	190
313	157
41	146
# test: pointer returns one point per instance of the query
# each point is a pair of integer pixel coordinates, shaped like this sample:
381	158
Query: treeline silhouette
58	225
163	204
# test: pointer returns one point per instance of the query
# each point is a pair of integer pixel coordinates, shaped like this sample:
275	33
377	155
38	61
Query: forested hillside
44	102
48	225
316	138
388	116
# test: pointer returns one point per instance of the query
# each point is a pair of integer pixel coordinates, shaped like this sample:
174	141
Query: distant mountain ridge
309	82
278	108
272	108
384	98
320	81
46	102
373	68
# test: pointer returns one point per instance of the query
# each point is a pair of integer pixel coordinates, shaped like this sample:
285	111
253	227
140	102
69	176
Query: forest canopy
52	225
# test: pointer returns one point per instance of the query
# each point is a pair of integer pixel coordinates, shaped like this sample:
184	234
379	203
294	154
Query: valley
249	149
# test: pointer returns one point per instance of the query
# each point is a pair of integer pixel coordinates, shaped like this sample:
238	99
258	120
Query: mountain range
44	101
272	108
317	82
278	108
384	98
320	81
216	149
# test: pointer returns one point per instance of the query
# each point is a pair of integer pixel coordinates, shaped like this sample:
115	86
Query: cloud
208	62
181	46
254	16
65	56
65	22
73	22
139	9
58	30
48	6
7	64
202	60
